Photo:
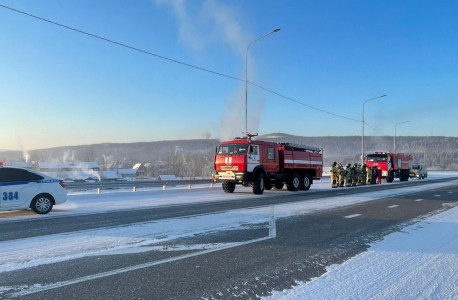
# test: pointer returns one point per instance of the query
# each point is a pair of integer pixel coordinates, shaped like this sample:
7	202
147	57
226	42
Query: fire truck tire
259	184
294	183
279	185
228	187
390	177
306	182
268	186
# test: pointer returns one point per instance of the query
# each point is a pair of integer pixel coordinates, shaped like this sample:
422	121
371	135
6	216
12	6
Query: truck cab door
270	159
253	158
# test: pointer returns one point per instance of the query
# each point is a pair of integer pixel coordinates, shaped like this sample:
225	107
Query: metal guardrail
134	184
138	184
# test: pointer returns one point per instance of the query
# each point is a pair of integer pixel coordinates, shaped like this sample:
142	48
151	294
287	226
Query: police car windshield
238	149
376	158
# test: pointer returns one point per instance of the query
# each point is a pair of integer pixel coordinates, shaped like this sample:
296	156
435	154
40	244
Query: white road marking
393	206
36	289
437	195
450	192
353	216
418	200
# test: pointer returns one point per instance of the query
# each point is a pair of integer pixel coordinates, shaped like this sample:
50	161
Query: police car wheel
41	204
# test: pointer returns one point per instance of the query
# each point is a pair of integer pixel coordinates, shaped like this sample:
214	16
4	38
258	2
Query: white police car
22	189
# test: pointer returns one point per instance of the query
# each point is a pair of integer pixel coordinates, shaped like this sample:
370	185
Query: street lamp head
383	96
276	30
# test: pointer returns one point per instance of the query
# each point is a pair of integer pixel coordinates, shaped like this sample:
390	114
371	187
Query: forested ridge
440	152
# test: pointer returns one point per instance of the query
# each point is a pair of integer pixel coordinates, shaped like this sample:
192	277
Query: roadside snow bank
421	262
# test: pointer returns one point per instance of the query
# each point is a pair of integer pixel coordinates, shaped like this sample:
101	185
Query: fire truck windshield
377	158
238	149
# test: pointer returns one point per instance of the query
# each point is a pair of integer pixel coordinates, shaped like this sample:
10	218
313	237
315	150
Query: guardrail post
134	189
164	188
189	187
211	184
98	191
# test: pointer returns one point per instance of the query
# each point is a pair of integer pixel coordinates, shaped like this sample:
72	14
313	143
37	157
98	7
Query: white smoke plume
25	153
69	156
216	23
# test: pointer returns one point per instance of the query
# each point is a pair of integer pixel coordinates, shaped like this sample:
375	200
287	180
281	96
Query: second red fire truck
393	165
264	165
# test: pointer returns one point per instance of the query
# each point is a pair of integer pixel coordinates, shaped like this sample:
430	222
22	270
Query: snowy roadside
89	202
420	262
144	236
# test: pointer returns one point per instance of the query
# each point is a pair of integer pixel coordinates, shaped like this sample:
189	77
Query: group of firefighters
354	175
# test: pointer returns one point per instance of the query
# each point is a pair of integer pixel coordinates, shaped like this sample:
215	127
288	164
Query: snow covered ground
420	262
144	236
411	264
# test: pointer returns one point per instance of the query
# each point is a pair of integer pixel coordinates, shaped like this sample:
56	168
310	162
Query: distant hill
441	152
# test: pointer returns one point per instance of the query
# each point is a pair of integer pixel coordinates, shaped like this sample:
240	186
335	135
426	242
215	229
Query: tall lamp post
395	133
246	77
424	151
362	143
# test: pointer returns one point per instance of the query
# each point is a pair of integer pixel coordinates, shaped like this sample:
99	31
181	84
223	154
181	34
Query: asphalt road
269	256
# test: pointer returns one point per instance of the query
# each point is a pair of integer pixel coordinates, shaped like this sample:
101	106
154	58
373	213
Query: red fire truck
264	165
393	165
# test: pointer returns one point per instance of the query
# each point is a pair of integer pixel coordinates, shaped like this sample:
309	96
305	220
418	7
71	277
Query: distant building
141	169
20	164
42	166
126	173
85	166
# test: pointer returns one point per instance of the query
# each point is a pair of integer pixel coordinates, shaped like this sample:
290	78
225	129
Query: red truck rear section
393	165
264	165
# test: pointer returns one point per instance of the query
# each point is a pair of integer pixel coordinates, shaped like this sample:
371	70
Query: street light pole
424	150
246	77
395	133
362	142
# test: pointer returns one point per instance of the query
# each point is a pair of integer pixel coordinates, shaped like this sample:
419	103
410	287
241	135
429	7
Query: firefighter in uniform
374	174
358	174
348	175
354	179
341	175
369	175
334	175
363	175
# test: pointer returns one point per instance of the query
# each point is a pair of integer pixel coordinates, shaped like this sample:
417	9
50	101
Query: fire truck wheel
390	178
228	187
403	176
279	185
306	182
258	184
294	183
268	186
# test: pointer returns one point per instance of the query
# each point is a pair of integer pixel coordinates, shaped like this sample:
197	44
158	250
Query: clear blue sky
59	87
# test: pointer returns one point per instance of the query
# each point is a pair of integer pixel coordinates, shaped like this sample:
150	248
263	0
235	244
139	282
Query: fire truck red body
393	165
264	165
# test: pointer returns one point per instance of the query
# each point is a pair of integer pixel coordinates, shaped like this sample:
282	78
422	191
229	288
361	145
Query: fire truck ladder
302	147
